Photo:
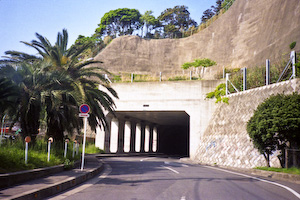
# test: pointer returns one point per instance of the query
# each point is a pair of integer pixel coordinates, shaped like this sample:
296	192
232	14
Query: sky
21	19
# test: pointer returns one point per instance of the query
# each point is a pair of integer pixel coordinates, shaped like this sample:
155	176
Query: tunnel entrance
173	129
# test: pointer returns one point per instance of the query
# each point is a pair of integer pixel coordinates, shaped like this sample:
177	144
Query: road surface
143	178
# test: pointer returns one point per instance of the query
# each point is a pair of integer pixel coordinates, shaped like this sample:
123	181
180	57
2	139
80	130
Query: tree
66	83
9	94
149	22
94	45
218	6
27	80
205	62
275	124
207	14
176	19
122	21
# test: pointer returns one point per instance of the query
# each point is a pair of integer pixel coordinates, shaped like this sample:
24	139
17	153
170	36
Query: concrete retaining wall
226	141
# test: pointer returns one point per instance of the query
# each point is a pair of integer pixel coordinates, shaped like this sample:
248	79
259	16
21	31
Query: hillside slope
247	34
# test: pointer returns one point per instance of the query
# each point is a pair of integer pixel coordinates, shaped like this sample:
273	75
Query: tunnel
173	129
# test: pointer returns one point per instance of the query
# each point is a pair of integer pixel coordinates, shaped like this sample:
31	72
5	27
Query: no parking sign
84	110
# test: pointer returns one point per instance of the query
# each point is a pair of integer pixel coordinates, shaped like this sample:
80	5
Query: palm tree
70	82
26	84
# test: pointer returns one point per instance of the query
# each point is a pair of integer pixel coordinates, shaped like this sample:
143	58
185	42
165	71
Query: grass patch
292	170
12	156
91	149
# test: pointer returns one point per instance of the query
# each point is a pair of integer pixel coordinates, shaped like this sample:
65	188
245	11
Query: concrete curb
293	178
55	188
10	179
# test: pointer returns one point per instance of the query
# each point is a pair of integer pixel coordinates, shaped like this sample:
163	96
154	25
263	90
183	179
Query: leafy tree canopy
219	92
122	21
207	14
178	18
149	22
205	62
276	124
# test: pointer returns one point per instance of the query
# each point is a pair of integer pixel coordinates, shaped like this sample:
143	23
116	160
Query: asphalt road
137	178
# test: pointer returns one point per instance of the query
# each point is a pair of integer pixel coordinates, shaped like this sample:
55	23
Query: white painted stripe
146	159
173	170
259	179
183	165
183	198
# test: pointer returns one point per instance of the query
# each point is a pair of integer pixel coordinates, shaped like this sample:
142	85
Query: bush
292	45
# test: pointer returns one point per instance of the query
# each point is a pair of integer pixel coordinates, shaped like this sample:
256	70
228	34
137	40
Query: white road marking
183	165
146	159
89	183
259	179
183	198
169	168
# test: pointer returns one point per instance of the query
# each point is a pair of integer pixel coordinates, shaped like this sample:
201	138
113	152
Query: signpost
50	140
84	110
27	140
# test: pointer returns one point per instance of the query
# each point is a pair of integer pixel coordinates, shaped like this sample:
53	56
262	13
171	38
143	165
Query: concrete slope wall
247	34
226	141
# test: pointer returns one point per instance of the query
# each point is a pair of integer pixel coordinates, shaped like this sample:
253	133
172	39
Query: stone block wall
226	141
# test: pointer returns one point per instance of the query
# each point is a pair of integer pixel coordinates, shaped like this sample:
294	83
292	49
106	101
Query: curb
58	187
10	179
293	178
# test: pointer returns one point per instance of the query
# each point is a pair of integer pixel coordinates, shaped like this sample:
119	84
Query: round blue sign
84	108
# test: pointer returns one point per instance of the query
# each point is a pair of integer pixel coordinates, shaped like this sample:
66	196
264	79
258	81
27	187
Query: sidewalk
52	184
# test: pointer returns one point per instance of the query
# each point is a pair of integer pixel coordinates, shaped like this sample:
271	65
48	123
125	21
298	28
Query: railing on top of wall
291	63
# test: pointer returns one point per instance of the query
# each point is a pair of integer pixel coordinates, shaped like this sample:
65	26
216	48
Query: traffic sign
84	108
84	115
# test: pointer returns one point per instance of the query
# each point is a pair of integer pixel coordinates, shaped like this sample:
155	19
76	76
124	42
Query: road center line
169	168
259	179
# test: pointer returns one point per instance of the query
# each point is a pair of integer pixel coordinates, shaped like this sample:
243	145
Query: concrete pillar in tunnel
114	135
132	136
147	138
127	136
138	137
142	137
151	139
121	136
107	132
100	137
154	143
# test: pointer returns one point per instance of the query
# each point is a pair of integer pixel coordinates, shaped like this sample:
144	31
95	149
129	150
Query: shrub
292	45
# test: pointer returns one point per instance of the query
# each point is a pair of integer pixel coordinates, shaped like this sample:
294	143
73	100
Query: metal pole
131	77
159	76
190	75
286	158
227	79
83	145
293	57
66	147
2	126
244	79
49	147
26	152
73	154
267	72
